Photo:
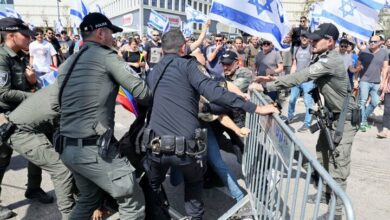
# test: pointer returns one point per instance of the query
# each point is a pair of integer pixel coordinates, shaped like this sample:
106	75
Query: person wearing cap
328	72
301	59
17	81
174	116
89	81
268	62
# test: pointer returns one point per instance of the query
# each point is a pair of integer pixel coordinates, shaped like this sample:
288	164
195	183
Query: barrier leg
235	208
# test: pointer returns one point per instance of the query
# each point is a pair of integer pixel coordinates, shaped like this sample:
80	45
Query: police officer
30	140
328	72
173	136
16	83
89	82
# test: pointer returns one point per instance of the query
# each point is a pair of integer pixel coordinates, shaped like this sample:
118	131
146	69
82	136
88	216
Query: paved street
367	185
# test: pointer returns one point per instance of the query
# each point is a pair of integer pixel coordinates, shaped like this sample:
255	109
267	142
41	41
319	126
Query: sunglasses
156	35
38	34
343	46
266	44
218	40
302	21
373	41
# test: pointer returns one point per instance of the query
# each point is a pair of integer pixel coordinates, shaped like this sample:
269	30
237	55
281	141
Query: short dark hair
172	41
64	32
38	30
219	35
49	29
303	17
239	38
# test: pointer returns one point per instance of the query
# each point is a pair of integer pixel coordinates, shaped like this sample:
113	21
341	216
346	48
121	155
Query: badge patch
130	70
203	70
3	78
315	68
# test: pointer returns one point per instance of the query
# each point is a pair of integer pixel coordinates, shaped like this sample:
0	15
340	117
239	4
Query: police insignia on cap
225	55
3	78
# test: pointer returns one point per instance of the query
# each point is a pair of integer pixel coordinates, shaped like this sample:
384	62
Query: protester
133	56
214	55
152	51
65	43
42	56
373	63
385	97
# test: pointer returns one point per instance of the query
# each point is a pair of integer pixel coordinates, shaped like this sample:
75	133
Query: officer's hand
97	214
260	79
30	75
247	97
243	132
266	109
256	87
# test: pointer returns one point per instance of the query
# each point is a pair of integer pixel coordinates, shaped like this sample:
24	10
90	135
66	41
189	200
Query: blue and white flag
358	18
194	15
2	15
187	29
158	21
149	32
266	20
99	9
315	11
12	13
78	10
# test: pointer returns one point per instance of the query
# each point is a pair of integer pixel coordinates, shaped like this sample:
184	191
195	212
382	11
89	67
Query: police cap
95	20
15	25
229	57
325	30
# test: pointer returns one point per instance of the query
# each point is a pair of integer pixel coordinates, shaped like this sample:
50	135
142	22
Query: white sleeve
52	50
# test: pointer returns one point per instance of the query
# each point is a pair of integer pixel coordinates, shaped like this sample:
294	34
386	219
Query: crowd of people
188	84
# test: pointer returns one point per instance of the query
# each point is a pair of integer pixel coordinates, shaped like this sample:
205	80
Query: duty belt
168	144
80	141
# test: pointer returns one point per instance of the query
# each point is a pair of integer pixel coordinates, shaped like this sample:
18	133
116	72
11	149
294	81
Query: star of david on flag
265	18
358	18
158	21
194	15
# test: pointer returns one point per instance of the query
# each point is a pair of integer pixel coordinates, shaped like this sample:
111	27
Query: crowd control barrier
277	167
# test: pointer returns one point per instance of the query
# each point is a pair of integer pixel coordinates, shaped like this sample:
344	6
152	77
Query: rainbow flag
128	102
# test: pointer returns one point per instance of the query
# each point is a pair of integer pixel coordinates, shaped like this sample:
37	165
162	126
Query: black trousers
156	167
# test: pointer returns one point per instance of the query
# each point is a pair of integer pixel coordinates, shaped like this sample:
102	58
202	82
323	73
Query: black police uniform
175	114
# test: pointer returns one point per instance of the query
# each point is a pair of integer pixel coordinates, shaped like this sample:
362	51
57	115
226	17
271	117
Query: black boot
39	195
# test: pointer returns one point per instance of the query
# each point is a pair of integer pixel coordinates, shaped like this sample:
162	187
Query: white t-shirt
42	53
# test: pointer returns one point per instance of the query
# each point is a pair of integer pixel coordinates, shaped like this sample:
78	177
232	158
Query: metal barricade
277	169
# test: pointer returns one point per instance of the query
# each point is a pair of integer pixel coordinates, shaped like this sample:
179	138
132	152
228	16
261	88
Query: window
154	3
177	2
162	3
146	2
183	5
170	4
196	5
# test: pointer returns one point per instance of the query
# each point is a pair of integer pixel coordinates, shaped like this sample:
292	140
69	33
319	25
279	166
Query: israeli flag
259	18
149	32
358	18
315	11
158	21
2	15
78	10
187	29
10	12
194	15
